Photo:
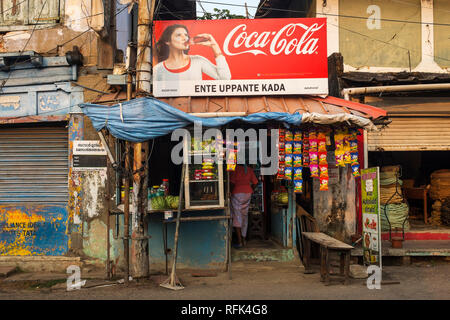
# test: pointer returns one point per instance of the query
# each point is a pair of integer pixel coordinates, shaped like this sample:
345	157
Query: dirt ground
250	281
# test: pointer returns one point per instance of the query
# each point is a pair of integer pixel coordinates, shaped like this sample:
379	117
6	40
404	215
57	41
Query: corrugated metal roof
256	104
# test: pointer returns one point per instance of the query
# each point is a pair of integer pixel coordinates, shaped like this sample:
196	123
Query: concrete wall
96	44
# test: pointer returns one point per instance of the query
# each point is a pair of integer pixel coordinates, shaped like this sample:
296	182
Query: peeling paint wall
84	24
335	209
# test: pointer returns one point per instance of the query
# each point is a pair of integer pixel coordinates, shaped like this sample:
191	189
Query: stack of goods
445	212
232	150
439	191
281	153
392	202
207	172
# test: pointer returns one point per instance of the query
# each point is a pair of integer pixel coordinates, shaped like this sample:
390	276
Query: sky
209	7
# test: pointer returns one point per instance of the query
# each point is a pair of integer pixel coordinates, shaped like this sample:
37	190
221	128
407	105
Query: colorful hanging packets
323	158
355	170
314	168
298	186
297	147
323	168
313	158
289	137
288	173
288	160
354	157
306	159
297	160
298	174
297	135
323	184
288	147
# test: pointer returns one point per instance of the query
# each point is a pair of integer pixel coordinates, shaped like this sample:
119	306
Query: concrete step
40	263
262	254
7	270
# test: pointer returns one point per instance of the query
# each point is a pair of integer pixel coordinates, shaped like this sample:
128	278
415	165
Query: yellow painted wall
385	47
442	33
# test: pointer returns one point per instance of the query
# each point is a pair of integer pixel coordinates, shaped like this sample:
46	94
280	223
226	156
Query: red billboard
240	57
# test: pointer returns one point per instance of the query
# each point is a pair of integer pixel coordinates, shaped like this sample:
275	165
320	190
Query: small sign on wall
89	155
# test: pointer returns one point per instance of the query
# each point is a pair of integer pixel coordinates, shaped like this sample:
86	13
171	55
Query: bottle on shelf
165	186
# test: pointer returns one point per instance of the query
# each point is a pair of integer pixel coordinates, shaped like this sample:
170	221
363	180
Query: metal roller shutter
412	134
34	165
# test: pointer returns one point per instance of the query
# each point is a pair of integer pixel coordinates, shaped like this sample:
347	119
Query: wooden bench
327	244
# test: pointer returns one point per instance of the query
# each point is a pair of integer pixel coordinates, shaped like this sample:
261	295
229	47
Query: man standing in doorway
243	181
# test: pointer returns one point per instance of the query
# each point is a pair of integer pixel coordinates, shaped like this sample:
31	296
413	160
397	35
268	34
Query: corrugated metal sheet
34	165
412	133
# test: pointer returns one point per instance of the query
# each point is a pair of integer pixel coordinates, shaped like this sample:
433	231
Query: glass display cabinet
204	182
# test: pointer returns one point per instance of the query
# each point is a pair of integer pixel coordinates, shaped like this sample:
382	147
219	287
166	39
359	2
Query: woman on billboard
174	63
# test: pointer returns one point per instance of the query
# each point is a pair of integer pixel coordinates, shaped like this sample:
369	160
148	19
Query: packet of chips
288	148
289	137
306	159
297	160
298	186
323	184
323	168
298	174
314	158
323	158
288	160
297	147
353	145
314	170
231	167
280	174
297	135
313	145
355	170
322	146
288	173
312	134
347	157
354	157
339	159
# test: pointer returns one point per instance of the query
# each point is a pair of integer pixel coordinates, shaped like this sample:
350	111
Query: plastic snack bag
297	135
353	145
313	145
297	160
354	157
322	145
347	157
289	137
298	186
288	160
306	159
314	158
298	174
339	159
314	170
323	158
288	148
280	174
323	184
355	170
323	168
288	173
297	147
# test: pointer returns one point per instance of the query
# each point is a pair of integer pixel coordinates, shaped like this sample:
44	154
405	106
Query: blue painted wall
33	230
201	244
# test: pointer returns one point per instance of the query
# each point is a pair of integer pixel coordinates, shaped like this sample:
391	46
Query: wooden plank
327	241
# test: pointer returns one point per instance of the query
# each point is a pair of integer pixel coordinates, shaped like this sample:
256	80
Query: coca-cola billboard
240	57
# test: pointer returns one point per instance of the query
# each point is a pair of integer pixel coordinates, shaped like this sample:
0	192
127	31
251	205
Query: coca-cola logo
293	38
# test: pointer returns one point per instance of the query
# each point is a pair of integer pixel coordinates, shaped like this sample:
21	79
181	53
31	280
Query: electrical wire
327	14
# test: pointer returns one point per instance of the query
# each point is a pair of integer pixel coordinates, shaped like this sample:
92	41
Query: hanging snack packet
339	159
323	158
298	186
297	160
297	135
354	157
280	174
347	157
313	145
306	159
281	147
355	169
289	136
281	135
298	174
353	145
322	145
314	170
288	173
323	168
297	147
288	160
323	184
288	148
314	158
312	133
